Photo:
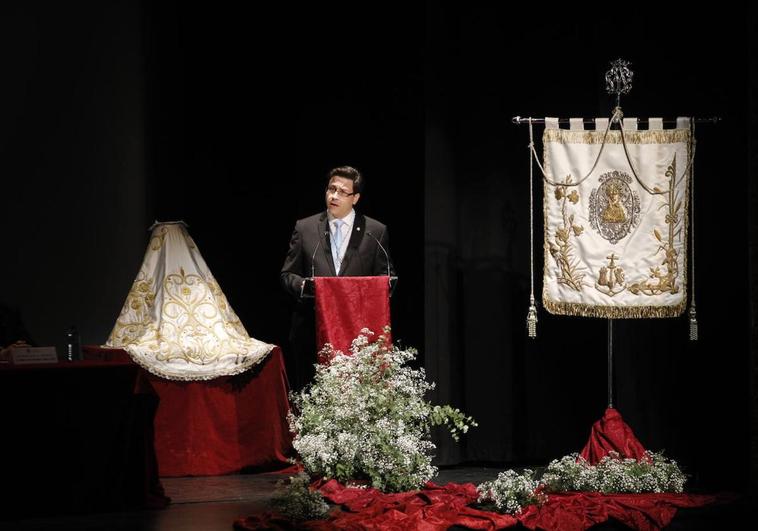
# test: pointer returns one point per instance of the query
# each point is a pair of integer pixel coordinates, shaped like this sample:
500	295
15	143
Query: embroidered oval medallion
614	206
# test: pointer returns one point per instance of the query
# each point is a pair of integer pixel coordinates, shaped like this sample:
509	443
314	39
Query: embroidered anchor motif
610	280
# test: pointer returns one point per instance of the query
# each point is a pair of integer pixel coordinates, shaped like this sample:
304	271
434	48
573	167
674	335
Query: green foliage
297	501
364	418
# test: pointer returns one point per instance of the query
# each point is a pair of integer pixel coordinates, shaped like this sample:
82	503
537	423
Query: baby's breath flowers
364	418
652	473
511	492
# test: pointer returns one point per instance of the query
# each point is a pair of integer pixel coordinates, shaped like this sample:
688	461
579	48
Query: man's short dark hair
348	173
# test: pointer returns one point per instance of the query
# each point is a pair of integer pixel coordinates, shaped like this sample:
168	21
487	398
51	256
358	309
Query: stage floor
213	503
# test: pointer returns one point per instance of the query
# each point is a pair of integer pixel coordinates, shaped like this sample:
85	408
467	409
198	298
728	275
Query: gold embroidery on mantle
560	248
232	322
664	279
176	321
135	320
190	331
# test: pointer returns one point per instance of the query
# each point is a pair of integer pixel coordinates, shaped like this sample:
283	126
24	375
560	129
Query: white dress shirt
346	229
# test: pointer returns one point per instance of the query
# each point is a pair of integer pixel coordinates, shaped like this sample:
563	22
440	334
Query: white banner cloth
616	235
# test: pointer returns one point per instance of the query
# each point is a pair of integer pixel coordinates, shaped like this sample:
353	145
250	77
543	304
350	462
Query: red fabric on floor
577	511
223	425
438	507
345	305
611	434
432	508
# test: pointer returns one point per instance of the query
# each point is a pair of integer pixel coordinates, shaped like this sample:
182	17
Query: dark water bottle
73	346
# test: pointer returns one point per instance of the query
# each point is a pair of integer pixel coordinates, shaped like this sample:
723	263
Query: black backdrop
115	115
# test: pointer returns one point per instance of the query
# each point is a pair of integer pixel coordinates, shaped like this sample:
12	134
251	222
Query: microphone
313	264
386	255
313	256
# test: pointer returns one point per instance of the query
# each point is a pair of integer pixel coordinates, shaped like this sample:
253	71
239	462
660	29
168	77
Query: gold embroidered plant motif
135	319
568	273
610	279
663	278
232	323
614	206
190	328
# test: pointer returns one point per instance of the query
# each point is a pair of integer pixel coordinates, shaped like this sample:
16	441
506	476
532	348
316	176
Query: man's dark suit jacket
310	254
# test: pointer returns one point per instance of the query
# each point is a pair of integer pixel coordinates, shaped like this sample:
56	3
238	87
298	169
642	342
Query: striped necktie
337	244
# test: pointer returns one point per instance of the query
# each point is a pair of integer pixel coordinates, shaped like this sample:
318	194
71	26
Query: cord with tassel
692	312
531	316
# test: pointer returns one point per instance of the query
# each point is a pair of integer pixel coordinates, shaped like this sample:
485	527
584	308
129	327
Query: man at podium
336	242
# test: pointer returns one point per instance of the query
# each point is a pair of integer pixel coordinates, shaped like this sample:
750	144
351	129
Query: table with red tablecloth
220	426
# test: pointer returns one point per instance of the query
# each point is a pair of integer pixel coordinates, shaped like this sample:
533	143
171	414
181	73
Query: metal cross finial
618	80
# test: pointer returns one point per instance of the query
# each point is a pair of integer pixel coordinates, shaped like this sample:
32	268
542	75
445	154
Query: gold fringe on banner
613	312
665	136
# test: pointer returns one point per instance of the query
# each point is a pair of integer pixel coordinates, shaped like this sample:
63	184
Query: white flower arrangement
613	474
364	418
511	492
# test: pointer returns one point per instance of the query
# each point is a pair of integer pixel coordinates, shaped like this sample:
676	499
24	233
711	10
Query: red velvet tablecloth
220	426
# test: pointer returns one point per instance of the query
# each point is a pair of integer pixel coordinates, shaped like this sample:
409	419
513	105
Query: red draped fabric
581	510
345	305
612	434
222	425
438	507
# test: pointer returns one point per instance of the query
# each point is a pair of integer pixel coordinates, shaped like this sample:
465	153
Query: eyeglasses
339	191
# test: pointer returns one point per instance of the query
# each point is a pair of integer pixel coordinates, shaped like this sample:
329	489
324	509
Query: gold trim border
662	136
579	309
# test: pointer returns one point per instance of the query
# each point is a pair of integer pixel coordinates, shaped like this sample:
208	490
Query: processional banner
176	322
615	219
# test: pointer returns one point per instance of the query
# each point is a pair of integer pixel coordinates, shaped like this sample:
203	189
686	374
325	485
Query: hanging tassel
693	323
531	318
692	312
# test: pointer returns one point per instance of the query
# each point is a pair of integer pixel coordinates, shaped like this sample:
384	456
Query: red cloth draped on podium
612	434
345	305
